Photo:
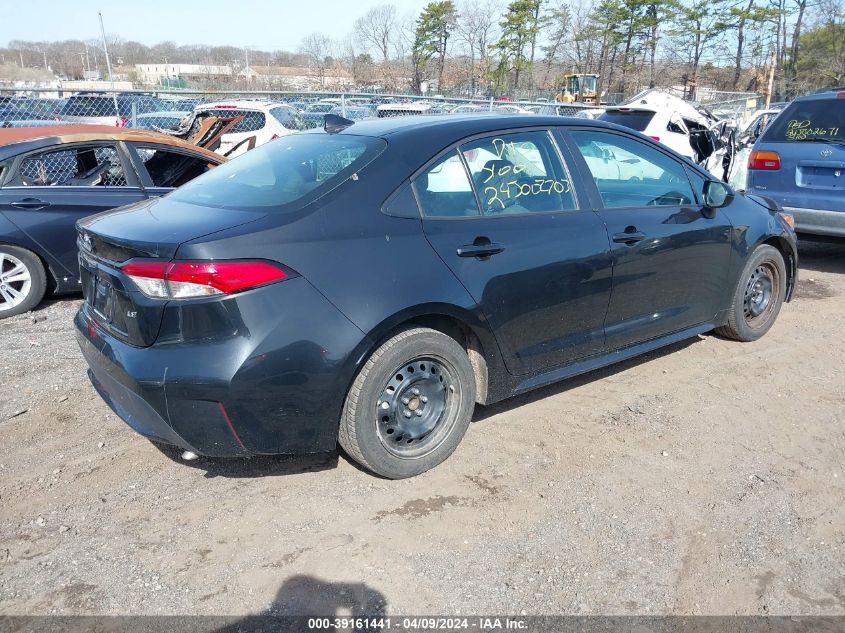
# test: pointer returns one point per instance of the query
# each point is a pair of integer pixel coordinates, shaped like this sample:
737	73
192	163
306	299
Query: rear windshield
103	106
634	119
822	119
252	120
292	169
89	106
288	117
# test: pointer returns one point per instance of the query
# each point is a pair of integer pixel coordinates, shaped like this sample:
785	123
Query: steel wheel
762	294
415	410
15	282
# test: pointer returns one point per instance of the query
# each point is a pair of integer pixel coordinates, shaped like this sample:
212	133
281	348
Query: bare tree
476	21
317	47
376	30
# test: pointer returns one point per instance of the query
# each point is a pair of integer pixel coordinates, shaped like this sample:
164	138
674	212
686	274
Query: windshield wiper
822	139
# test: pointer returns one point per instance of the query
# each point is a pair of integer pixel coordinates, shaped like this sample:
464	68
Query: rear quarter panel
378	270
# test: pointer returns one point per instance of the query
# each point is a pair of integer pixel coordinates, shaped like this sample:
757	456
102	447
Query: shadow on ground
307	596
824	255
484	412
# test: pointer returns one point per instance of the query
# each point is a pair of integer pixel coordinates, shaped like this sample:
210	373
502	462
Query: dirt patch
705	479
813	288
418	508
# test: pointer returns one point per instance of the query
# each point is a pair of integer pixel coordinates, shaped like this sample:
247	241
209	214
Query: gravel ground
704	479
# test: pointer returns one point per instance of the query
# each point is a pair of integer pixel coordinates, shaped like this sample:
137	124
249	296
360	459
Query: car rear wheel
758	296
410	404
23	281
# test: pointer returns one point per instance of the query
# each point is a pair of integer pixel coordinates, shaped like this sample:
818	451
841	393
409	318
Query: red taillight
763	159
121	122
656	138
274	137
182	280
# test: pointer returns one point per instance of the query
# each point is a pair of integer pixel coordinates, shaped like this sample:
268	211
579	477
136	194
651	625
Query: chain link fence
293	110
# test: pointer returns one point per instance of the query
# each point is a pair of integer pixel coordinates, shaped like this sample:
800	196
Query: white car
512	108
675	123
265	120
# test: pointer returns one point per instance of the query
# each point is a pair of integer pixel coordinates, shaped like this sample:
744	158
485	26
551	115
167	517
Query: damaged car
50	177
678	124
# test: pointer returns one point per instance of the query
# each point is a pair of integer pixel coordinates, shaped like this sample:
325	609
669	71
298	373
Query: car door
671	254
49	190
162	168
502	214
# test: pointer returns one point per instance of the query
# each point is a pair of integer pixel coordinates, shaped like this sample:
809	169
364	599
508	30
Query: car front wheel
758	295
409	405
23	281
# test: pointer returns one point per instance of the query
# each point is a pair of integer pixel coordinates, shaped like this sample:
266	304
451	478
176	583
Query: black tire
33	290
758	296
410	404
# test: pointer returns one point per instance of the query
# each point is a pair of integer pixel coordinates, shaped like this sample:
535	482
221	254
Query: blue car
50	177
800	163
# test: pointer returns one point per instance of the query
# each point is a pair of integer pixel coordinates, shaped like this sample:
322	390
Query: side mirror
716	194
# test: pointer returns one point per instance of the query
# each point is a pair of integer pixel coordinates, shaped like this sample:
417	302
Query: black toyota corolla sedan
369	283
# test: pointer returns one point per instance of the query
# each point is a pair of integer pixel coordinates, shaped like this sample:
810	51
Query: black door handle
628	238
30	203
480	250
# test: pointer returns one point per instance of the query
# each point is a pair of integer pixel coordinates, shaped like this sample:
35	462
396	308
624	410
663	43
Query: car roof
152	115
58	134
832	93
239	104
458	126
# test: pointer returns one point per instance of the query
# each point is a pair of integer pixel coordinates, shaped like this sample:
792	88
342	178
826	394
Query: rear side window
74	167
518	173
171	169
802	120
283	175
444	189
633	119
252	119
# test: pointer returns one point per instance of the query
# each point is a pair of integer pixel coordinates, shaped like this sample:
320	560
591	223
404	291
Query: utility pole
108	67
770	84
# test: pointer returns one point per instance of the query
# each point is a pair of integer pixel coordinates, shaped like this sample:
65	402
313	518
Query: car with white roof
264	120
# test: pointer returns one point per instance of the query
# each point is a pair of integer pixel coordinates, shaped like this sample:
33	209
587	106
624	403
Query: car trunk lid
157	228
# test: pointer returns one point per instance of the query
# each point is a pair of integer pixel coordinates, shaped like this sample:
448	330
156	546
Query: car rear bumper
818	222
273	383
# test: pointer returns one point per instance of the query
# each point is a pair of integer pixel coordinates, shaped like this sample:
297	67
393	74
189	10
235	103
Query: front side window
283	175
172	169
74	167
629	173
518	173
444	190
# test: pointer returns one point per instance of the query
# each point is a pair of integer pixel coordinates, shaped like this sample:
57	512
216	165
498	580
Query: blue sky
262	24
